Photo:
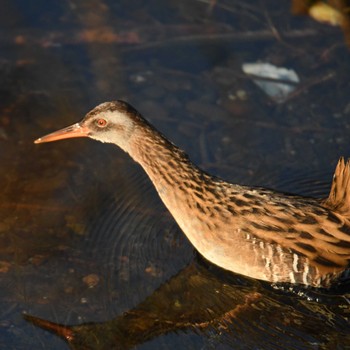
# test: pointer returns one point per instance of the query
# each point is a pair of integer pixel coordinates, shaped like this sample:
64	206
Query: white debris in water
278	91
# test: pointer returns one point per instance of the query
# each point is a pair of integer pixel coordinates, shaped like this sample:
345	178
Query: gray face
110	122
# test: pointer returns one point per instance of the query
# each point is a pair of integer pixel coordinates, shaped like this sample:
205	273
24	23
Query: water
84	237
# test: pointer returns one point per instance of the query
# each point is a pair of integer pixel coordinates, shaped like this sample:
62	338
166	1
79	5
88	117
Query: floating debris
276	82
325	13
91	280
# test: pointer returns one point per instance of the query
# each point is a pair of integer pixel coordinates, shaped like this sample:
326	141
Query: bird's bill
75	130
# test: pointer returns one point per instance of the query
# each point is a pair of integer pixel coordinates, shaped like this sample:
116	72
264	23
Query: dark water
84	239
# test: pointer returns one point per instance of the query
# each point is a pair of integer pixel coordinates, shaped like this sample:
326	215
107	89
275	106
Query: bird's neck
186	191
168	167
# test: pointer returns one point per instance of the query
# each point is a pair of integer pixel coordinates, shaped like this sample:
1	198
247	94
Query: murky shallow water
83	235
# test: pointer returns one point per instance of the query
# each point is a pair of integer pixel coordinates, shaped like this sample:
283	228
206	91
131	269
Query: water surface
84	237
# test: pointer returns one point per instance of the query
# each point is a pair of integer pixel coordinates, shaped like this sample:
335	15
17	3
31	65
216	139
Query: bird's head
112	122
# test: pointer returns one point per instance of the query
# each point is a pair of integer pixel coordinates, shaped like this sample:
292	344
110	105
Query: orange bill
75	130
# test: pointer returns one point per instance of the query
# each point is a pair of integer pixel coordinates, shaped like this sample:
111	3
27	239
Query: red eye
101	122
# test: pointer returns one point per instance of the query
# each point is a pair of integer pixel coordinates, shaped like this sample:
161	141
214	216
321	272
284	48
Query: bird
252	231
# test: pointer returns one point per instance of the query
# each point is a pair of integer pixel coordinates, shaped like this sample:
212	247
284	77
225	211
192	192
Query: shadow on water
84	238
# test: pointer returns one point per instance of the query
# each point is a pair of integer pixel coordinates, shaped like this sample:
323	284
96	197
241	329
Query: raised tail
339	195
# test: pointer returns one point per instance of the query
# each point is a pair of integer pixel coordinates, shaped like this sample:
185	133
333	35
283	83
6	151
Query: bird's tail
339	195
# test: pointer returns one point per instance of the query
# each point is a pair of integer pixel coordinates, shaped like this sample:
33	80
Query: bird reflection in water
232	309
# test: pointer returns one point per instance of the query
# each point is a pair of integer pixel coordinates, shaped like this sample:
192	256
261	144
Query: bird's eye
101	122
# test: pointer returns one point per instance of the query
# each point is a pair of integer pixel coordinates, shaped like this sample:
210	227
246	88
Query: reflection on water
84	237
227	309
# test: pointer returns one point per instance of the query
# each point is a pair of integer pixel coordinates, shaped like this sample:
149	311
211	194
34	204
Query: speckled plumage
252	231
